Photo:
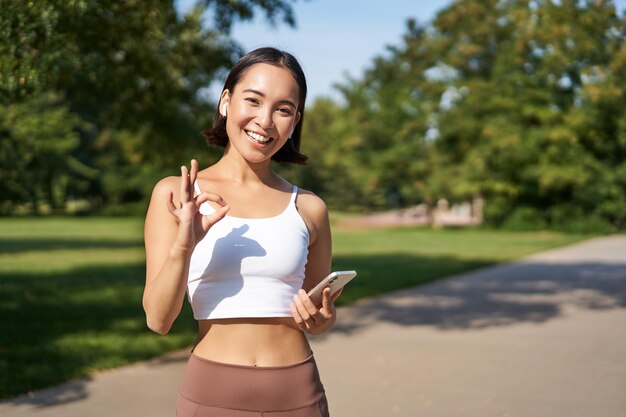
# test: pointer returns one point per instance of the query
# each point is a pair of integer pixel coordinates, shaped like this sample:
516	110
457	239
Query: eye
286	111
252	100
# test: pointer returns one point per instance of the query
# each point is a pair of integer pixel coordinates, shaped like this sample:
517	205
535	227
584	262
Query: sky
336	38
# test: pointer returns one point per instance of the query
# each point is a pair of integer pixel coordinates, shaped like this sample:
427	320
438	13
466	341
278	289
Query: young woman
246	246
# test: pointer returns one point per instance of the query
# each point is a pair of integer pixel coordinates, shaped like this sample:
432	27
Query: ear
224	99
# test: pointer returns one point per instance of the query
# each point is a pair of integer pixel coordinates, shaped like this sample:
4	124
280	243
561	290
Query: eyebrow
257	92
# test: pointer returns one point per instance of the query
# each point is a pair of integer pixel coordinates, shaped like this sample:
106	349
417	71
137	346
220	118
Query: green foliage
519	102
531	148
330	171
130	77
525	218
33	167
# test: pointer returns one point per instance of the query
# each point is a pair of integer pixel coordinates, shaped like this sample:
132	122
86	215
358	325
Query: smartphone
335	280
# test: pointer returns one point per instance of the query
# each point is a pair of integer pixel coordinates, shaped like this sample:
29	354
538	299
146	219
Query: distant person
246	245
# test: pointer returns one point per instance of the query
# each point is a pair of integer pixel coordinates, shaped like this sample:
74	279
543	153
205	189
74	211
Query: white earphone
225	110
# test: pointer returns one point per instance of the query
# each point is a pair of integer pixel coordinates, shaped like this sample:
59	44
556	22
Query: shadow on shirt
226	260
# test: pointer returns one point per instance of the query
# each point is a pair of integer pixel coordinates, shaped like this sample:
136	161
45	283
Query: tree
132	72
526	71
330	171
35	168
519	102
386	119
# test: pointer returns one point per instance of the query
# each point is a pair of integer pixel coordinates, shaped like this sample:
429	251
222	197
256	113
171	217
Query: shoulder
313	211
310	203
158	215
161	194
165	185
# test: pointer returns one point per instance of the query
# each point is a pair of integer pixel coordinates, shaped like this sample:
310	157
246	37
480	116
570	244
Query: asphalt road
541	337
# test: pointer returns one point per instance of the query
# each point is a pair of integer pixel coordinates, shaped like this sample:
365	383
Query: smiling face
261	112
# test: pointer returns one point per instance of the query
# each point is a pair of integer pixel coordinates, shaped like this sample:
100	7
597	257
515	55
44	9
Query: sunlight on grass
46	261
72	287
472	243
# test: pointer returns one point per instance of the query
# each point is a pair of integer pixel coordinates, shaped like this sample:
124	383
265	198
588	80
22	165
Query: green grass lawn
70	288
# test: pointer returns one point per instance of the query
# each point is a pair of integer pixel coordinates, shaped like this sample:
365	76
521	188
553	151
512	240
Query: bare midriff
275	341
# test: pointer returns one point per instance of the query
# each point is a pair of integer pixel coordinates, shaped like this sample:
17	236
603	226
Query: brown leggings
214	389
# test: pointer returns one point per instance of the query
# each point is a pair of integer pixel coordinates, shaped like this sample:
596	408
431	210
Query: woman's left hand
311	319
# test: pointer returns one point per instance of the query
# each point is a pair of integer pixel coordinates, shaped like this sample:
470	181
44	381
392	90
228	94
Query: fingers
170	204
210	219
187	180
193	174
206	196
184	185
306	315
327	301
337	294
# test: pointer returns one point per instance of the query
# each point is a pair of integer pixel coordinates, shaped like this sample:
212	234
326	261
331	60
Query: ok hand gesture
192	225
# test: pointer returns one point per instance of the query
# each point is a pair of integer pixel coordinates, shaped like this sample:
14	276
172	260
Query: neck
234	167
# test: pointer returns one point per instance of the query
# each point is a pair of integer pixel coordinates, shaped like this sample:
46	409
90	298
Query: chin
254	155
256	158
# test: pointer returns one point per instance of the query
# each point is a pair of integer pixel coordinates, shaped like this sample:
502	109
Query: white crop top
248	267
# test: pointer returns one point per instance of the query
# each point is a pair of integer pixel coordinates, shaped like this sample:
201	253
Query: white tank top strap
196	187
294	194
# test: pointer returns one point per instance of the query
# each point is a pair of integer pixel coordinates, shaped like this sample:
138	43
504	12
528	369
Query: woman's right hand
192	225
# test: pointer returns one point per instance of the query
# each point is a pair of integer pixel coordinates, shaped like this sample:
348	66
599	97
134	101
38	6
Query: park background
517	103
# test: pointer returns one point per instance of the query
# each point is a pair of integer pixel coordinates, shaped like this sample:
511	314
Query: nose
265	118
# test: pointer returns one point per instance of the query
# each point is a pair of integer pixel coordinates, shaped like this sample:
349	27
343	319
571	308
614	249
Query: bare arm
171	234
308	317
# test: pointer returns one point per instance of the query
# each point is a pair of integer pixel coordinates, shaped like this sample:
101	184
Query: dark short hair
290	151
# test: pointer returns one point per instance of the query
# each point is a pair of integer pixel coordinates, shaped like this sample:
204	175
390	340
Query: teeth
258	138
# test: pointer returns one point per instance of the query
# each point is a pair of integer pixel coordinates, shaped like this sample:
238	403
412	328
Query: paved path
542	337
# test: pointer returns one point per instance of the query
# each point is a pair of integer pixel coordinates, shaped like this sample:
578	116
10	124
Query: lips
258	138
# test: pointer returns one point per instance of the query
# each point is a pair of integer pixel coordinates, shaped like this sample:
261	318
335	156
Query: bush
496	211
525	218
588	224
572	219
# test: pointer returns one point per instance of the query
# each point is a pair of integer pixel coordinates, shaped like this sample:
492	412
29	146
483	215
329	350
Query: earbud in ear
224	110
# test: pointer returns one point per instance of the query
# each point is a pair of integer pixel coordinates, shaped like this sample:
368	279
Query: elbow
154	322
162	330
158	326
